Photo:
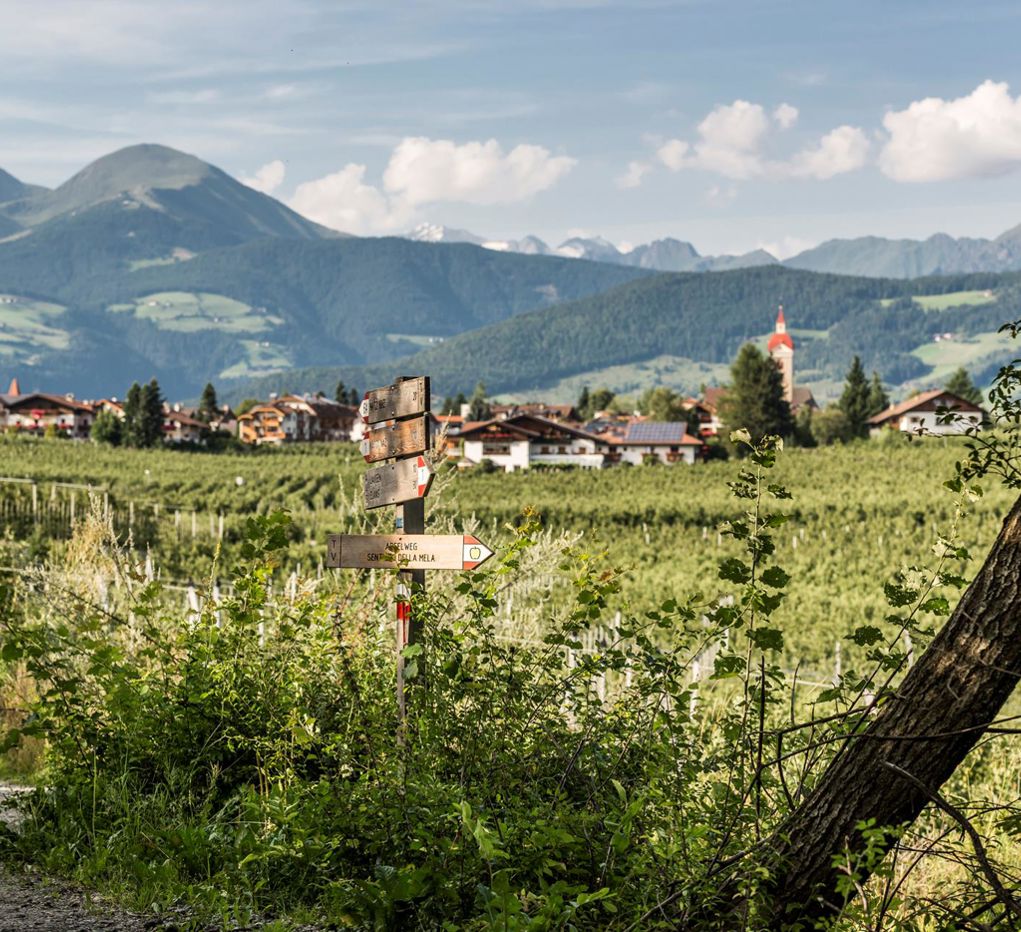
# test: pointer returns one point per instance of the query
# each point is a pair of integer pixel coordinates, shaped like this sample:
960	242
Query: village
510	437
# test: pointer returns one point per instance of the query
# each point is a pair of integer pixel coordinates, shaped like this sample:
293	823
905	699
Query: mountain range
940	254
150	262
663	255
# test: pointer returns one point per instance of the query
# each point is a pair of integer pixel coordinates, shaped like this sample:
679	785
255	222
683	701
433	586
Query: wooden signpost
402	438
406	551
404	482
394	483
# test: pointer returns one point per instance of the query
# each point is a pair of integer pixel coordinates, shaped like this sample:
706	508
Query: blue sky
729	124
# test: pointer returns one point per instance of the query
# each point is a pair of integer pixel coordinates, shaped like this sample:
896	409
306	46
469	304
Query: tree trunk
942	707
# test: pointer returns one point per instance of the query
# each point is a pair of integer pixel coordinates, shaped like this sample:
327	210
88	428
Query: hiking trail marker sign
398	436
406	551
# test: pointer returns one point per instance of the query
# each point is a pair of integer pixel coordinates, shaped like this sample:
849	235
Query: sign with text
406	551
402	399
393	483
402	438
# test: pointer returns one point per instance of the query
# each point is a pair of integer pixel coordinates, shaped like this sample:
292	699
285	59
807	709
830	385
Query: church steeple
781	351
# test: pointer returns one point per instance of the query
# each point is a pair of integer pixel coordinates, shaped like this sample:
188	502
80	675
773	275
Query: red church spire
780	335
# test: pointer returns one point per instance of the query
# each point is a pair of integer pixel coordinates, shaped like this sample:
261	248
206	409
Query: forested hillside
704	317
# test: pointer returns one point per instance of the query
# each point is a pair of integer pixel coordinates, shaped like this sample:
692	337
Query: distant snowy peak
437	233
663	255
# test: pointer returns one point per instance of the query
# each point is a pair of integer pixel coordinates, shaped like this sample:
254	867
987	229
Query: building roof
780	335
713	396
801	396
659	433
528	426
943	398
60	401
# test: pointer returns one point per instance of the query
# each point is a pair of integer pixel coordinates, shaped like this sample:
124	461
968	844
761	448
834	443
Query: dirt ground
31	903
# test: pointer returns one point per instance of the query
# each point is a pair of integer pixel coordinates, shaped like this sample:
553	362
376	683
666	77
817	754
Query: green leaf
766	638
774	576
734	570
866	635
727	665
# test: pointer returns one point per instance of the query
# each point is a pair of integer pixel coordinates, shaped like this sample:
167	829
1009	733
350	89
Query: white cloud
729	143
786	116
268	178
786	246
423	171
673	154
841	150
343	201
632	178
976	136
732	142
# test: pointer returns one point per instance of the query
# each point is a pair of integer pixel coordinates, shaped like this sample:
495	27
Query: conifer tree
209	407
855	401
150	414
879	400
340	393
479	409
131	435
584	403
960	384
755	397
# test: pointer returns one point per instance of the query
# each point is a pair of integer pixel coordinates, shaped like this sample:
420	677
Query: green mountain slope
905	258
701	317
164	265
180	185
11	188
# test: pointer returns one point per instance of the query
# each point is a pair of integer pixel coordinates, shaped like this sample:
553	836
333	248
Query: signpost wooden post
404	483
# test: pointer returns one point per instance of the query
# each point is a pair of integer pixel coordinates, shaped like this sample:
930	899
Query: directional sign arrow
402	438
403	481
402	399
406	551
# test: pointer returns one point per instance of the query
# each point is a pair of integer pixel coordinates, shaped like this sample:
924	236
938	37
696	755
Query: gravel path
32	903
28	903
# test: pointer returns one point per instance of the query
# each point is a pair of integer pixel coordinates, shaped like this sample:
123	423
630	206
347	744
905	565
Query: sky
732	125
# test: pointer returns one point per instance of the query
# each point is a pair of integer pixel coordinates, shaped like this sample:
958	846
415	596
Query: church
781	351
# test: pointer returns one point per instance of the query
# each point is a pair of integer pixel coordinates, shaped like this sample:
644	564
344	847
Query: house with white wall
926	413
526	440
667	441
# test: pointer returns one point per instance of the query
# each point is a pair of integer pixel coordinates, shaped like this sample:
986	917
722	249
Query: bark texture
942	707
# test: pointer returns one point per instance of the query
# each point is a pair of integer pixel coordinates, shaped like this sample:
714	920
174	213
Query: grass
676	372
188	312
414	339
940	302
260	359
26	326
947	355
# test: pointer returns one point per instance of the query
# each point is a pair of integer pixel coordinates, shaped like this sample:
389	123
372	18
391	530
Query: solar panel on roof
655	432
